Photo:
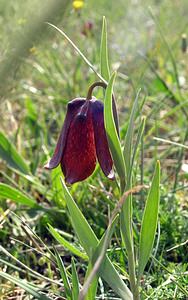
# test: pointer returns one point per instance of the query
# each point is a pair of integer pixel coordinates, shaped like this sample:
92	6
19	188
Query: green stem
95	84
132	275
130	246
104	86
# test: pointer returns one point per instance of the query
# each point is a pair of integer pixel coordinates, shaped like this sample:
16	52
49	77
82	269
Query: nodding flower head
82	140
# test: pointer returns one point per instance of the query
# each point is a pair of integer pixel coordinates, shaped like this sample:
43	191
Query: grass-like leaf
138	139
129	137
35	182
9	153
78	51
126	214
26	286
104	67
75	281
6	191
56	186
174	97
149	222
114	142
98	257
171	55
82	228
92	290
89	241
28	269
67	245
63	275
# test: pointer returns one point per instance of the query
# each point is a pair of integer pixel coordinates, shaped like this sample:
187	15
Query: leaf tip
114	74
158	165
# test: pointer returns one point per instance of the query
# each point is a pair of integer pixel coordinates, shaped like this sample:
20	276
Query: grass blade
92	290
129	137
63	275
25	267
89	241
171	56
126	214
98	258
26	286
66	244
8	192
104	67
82	228
176	99
56	187
78	51
114	142
36	183
149	222
75	281
138	139
9	153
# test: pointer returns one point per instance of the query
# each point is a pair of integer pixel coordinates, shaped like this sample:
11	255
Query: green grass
39	83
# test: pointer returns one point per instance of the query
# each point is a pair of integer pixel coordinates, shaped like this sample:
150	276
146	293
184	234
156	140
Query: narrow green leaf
82	228
57	188
36	183
97	259
129	137
170	52
91	292
13	266
113	140
75	281
27	269
63	275
126	224
78	51
172	276
174	97
149	222
138	139
8	192
126	213
104	52
26	286
104	241
9	153
67	245
89	242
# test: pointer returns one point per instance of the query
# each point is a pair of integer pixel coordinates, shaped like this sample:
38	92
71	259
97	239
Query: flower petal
79	157
73	107
101	143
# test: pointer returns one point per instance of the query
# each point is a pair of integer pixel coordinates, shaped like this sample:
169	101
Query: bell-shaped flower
82	141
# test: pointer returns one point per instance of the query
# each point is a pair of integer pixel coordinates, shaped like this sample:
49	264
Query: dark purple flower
82	140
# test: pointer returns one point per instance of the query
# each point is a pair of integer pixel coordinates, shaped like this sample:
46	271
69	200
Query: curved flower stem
104	86
91	88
